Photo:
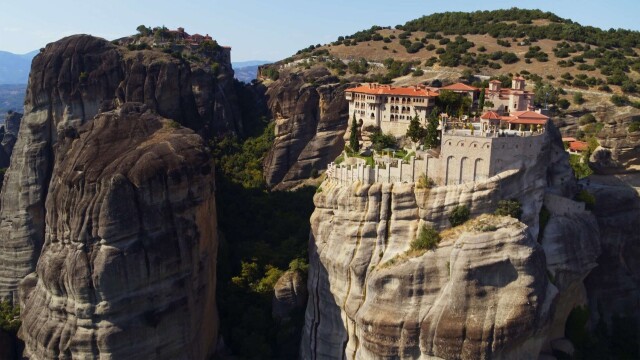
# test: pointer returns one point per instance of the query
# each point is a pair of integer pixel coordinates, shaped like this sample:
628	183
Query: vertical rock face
614	286
483	293
127	269
55	101
310	123
71	81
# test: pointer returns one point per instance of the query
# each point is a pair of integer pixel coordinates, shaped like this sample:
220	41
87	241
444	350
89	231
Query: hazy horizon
260	30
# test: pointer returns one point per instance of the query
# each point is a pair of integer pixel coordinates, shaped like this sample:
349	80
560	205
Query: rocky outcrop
127	269
485	292
310	111
613	288
71	81
615	136
9	135
55	101
289	294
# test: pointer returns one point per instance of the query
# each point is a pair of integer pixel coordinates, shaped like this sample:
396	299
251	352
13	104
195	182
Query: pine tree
415	132
353	139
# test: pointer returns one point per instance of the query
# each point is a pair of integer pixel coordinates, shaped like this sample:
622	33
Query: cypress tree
481	101
431	139
353	139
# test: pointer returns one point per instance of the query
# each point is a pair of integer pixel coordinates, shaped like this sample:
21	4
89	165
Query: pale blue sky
262	29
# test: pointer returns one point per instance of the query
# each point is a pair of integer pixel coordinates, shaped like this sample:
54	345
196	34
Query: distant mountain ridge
246	71
14	68
241	64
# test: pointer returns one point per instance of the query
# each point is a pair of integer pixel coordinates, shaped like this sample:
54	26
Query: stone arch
449	170
478	170
474	144
463	163
486	145
460	143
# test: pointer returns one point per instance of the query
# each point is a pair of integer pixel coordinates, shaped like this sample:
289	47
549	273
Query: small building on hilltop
390	108
507	100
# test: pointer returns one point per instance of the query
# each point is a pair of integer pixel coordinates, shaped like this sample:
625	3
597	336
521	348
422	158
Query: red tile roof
578	146
529	115
496	81
526	118
517	121
460	87
569	139
490	115
375	89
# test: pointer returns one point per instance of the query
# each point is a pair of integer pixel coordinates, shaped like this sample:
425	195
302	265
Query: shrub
174	124
563	104
382	141
578	98
504	43
427	239
488	228
482	48
415	47
634	126
9	317
511	208
459	215
509	58
425	182
604	88
587	119
272	73
620	100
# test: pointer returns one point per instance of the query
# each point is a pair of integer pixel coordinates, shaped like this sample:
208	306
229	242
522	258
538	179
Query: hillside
577	70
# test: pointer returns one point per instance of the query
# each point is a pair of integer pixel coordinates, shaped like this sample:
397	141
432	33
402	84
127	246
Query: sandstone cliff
71	81
311	117
485	292
127	269
613	287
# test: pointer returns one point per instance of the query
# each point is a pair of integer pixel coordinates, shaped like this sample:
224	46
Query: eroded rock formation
127	269
613	288
71	81
485	292
310	111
